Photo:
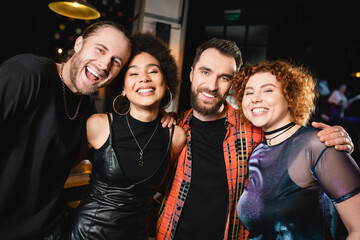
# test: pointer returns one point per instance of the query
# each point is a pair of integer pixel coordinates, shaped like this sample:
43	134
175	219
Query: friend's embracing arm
334	136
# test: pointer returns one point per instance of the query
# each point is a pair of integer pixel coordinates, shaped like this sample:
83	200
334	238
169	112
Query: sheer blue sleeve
337	173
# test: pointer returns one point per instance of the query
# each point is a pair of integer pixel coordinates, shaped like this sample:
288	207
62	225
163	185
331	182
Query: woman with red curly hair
297	185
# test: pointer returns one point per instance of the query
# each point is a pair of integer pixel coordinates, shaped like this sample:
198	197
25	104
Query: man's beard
74	70
205	111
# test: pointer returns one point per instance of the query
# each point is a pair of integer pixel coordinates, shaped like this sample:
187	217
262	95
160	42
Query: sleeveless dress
116	204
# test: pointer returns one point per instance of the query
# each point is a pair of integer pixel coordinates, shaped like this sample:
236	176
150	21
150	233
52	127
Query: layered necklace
141	152
284	129
64	97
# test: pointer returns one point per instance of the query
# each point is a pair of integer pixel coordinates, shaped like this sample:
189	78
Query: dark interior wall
212	13
24	27
30	26
320	35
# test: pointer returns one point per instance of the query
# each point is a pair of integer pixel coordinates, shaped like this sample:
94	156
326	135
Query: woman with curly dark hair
297	185
131	153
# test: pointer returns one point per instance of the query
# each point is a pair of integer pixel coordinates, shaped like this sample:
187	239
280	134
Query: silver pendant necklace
64	96
141	152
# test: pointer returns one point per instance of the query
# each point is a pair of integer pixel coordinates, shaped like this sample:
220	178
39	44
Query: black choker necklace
287	127
280	129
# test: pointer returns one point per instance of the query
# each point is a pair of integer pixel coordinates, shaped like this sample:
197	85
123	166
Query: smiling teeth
259	110
207	95
145	90
92	72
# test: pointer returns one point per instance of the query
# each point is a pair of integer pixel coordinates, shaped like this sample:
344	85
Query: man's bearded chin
90	89
205	111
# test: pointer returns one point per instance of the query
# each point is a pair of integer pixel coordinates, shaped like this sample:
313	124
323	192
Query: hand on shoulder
334	136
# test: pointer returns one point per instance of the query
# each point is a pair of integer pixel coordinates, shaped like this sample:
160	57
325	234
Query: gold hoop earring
123	102
171	98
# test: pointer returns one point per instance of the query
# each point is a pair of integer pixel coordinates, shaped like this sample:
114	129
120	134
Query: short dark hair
226	47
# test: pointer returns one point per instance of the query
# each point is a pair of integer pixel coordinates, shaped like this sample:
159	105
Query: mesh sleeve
338	174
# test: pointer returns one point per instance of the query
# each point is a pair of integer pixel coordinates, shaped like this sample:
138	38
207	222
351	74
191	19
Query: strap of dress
172	133
110	128
170	140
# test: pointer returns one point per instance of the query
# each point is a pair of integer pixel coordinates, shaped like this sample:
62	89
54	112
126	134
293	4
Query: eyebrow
210	70
262	86
205	68
107	49
148	65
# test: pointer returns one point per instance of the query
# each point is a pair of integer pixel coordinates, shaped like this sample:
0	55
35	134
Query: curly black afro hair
149	43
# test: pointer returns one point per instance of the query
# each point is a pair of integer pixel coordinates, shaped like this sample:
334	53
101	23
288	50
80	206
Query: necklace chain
64	96
289	126
141	160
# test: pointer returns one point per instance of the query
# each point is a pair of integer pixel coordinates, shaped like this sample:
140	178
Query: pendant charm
141	161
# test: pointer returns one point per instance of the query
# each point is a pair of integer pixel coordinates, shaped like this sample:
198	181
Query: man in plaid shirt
212	170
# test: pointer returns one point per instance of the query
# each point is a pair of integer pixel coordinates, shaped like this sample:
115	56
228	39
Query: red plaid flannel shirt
240	140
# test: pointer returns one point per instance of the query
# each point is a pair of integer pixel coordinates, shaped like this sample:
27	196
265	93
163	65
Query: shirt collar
229	119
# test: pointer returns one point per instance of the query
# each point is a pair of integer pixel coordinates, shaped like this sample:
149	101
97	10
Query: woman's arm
97	128
349	211
339	177
178	142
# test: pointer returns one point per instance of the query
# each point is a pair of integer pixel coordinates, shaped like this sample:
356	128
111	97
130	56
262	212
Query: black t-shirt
38	145
204	212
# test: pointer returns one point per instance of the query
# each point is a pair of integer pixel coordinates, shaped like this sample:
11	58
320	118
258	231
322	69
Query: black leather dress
115	206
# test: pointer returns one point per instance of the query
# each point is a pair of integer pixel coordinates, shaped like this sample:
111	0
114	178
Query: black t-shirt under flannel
204	212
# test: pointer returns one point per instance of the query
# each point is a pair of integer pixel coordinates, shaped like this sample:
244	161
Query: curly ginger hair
298	87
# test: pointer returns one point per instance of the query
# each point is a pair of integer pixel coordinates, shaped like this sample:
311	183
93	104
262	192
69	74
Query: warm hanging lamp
79	9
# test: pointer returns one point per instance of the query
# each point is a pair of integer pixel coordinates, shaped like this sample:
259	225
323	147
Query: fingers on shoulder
319	125
333	132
